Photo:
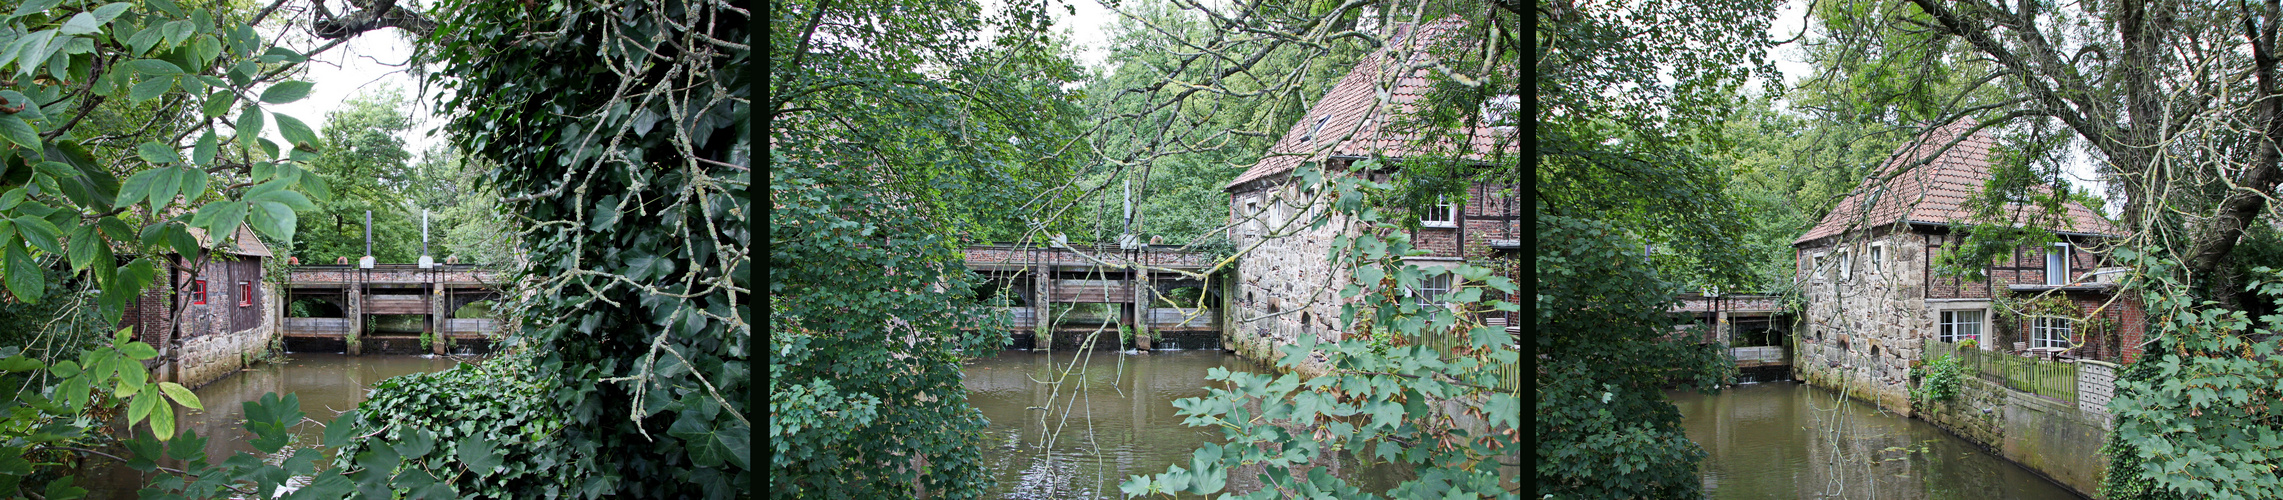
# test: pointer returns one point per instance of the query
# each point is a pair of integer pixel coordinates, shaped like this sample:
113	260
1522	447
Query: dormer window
1310	138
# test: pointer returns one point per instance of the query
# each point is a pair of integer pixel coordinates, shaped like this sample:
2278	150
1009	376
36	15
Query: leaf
476	452
341	429
83	242
157	153
294	131
39	233
289	198
179	237
19	363
178	30
274	219
417	443
139	351
221	217
203	154
162	421
81	24
34	6
218	103
137	187
193	182
163	187
15	130
149	88
140	407
110	11
181	395
249	124
30	113
285	92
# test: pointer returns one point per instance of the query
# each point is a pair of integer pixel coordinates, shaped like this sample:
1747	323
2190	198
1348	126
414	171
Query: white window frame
2057	255
1429	294
1815	264
1878	258
2050	332
1252	212
1846	265
1951	322
1450	216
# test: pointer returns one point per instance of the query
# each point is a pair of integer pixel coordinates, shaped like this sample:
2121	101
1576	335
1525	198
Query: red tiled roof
1357	104
1933	193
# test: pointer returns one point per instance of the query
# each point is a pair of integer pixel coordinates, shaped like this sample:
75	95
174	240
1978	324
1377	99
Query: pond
1790	440
1111	416
326	384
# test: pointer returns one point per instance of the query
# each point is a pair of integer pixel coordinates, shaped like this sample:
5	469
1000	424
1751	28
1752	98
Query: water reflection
1078	435
326	384
1790	440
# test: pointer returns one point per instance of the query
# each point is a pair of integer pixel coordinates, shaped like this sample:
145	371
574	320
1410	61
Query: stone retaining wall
2056	439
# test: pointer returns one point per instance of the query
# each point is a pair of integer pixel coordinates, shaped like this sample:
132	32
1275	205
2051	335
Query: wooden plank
1183	318
396	304
471	326
1021	317
1090	291
332	327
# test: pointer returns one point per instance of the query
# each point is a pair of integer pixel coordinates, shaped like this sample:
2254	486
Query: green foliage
622	135
2195	416
1943	374
1380	405
1605	428
484	429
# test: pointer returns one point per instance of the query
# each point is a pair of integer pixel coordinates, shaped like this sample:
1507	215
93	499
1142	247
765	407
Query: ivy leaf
417	443
285	92
476	452
16	131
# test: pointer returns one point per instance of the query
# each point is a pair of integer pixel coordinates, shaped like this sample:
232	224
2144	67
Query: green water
1791	440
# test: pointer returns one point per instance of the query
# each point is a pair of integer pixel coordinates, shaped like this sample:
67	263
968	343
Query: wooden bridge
398	289
1147	282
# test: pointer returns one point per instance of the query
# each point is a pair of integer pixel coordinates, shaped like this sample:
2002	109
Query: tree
364	159
890	148
1617	170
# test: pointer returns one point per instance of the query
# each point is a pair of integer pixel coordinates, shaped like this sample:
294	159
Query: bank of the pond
326	384
1112	416
1791	440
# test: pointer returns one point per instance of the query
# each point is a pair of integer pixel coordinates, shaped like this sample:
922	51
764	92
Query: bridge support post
356	319
438	309
1042	281
1140	279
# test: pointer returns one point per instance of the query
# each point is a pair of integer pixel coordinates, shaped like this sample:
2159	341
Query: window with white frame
1846	266
1961	325
2057	264
1252	211
2050	333
1432	289
1815	265
1440	215
1878	258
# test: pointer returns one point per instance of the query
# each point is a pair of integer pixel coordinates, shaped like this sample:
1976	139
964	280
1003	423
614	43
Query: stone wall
2056	439
1865	321
1284	286
206	358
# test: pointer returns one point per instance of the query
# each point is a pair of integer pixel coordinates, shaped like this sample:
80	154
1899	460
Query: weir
1154	287
433	291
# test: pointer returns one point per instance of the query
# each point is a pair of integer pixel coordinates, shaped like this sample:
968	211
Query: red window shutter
198	292
245	294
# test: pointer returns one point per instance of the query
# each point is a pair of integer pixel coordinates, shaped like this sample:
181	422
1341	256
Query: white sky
1089	31
369	62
